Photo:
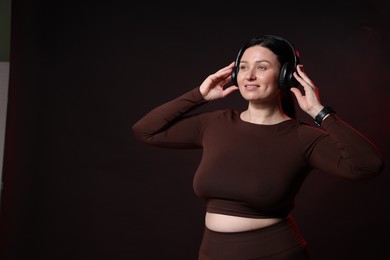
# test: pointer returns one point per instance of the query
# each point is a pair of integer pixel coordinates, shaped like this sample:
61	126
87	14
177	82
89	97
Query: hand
310	101
213	86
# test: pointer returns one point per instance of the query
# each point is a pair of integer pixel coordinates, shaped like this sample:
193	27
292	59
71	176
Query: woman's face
258	75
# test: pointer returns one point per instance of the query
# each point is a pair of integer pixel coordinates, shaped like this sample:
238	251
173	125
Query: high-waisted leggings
280	241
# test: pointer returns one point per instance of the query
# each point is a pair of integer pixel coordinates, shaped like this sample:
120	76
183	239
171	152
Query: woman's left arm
342	150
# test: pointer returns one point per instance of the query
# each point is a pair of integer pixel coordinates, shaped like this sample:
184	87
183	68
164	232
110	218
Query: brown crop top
253	170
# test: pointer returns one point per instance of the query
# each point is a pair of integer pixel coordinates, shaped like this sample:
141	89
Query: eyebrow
257	61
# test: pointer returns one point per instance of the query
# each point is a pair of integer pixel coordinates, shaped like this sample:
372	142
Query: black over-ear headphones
286	77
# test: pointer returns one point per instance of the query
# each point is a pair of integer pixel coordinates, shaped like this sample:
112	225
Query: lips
251	87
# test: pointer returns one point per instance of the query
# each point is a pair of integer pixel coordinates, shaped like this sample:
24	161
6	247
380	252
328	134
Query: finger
303	75
299	96
229	90
224	72
227	80
300	79
220	75
297	93
227	68
307	84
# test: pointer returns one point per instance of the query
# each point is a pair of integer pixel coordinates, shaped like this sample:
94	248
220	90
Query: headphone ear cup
234	75
283	76
237	66
286	77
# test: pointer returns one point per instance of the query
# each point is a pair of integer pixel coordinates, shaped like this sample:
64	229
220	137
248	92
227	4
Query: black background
77	185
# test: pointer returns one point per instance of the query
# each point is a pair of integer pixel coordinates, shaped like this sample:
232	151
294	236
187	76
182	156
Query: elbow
138	133
142	135
370	170
377	166
135	131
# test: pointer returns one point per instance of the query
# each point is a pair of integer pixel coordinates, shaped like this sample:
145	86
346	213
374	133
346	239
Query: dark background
77	185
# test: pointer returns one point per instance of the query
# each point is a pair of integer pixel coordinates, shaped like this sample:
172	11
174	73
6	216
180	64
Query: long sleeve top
254	170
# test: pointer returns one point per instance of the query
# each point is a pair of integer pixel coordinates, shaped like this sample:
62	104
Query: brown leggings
280	241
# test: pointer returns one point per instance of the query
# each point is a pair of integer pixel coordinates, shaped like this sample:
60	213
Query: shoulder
309	134
217	116
219	113
305	127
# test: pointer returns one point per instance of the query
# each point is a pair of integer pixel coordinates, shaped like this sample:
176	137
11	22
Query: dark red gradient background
77	185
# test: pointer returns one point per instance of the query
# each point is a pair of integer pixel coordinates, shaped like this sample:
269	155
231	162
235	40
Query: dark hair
276	44
285	52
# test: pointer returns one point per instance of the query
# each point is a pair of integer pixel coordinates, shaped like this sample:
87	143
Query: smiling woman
255	161
76	184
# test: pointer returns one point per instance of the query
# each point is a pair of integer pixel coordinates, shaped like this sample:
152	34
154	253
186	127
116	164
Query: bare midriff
227	223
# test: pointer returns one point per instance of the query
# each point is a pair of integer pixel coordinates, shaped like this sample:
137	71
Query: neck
264	115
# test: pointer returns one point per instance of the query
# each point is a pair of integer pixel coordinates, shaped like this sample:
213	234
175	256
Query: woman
255	161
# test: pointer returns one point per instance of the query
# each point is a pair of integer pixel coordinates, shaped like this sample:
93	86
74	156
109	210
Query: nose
251	74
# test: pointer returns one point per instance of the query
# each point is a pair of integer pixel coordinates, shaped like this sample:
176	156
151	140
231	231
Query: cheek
269	79
240	78
240	75
272	78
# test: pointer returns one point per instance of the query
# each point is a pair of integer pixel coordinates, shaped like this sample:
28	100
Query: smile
251	87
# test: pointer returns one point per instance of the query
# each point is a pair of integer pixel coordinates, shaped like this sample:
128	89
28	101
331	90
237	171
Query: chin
251	96
251	99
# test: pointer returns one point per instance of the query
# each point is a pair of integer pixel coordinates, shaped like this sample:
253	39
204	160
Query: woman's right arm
169	124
